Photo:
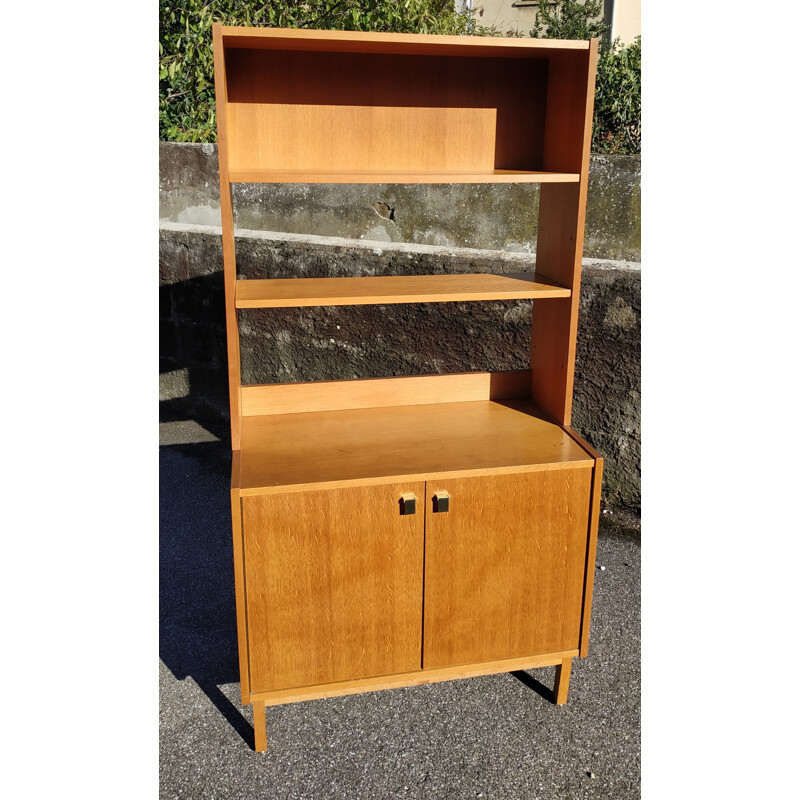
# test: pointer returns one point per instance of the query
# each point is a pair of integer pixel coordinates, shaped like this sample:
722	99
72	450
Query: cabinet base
562	661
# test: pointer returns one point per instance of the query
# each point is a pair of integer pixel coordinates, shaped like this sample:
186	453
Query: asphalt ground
490	737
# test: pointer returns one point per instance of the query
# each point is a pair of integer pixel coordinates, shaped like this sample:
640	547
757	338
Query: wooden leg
562	681
260	726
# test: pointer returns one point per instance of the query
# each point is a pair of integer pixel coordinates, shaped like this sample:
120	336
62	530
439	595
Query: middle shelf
384	290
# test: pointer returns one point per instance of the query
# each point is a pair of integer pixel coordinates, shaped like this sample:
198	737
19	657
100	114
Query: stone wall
482	216
287	345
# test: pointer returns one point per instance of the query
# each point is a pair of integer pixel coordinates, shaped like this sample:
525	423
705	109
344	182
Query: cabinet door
504	566
333	582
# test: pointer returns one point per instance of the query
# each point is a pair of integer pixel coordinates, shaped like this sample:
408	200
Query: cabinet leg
561	688
260	726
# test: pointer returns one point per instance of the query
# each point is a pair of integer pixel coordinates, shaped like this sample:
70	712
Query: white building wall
519	16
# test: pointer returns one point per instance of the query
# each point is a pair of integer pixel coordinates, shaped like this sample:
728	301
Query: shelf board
383	176
293	292
406	43
326	449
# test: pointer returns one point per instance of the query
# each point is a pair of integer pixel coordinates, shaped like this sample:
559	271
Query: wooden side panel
238	571
228	240
504	567
333	584
591	549
293	398
568	96
293	110
562	214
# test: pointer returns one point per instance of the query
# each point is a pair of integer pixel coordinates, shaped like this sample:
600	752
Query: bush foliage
618	100
617	124
186	78
187	111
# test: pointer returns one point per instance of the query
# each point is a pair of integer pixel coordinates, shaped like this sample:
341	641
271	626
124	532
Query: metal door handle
441	502
408	504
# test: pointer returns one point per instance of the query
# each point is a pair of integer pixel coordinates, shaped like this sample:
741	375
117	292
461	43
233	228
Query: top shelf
341	107
410	176
257	38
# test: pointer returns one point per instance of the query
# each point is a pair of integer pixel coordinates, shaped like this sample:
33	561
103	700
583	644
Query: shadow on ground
197	613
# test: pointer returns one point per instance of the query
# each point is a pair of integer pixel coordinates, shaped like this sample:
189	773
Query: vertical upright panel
228	240
504	566
562	214
334	584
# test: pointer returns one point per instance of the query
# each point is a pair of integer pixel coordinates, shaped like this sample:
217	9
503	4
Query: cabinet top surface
360	446
360	41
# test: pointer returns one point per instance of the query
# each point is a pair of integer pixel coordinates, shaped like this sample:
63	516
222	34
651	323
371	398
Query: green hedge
186	80
618	100
187	111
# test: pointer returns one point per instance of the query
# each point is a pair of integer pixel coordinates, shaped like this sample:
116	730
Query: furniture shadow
197	612
531	682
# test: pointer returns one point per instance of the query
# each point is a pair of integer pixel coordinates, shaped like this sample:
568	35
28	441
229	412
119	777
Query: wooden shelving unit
348	497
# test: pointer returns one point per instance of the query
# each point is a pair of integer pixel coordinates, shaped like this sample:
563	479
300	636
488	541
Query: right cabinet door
504	566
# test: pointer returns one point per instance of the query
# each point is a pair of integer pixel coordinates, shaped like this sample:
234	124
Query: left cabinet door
333	584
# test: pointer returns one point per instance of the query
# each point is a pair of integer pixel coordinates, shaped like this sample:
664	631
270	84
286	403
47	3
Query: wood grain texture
296	398
410	43
562	214
591	549
417	678
371	176
389	289
561	689
371	445
241	609
300	111
260	726
334	585
228	238
504	567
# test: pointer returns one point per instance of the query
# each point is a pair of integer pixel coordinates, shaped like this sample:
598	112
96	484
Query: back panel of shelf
354	112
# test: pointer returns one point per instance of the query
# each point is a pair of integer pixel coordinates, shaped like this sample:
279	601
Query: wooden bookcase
400	531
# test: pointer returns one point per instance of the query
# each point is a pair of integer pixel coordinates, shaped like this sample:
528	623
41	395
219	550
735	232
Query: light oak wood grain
315	112
411	43
385	290
260	726
371	445
417	678
562	214
369	176
329	573
504	566
238	574
228	239
591	548
333	584
561	689
296	398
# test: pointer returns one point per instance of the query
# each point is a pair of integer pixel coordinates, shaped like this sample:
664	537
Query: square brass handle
441	502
